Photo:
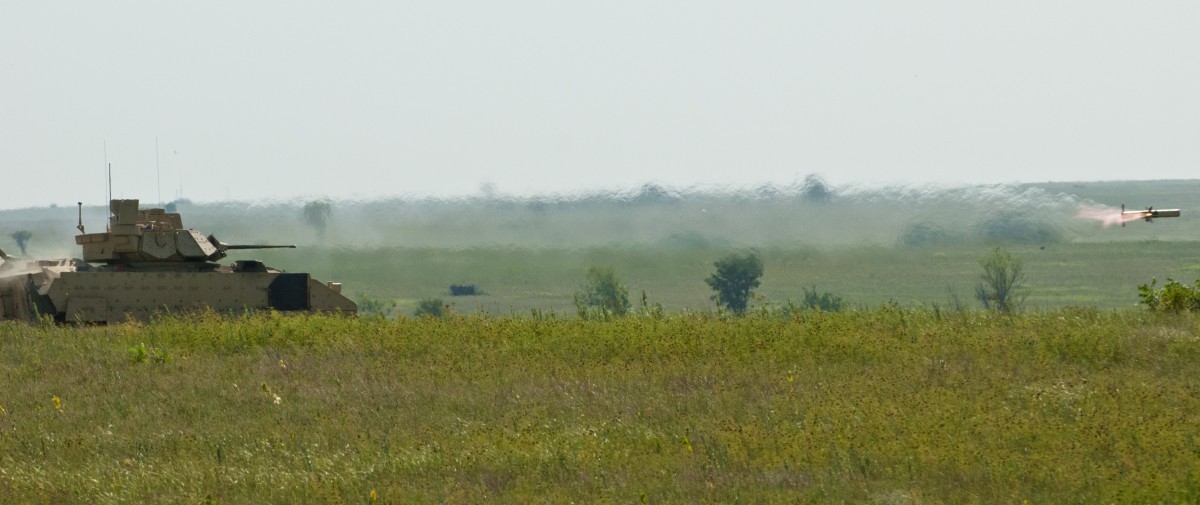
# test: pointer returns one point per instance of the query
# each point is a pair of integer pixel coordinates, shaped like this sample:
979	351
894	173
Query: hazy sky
285	100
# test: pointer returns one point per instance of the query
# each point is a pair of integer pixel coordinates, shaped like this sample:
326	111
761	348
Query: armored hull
148	264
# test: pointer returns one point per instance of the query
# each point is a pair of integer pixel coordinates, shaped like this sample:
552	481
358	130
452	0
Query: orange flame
1107	216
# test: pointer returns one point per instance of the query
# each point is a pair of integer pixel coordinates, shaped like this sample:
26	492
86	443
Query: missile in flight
1148	214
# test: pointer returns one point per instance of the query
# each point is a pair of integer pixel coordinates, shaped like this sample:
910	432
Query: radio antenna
108	203
107	167
107	188
157	170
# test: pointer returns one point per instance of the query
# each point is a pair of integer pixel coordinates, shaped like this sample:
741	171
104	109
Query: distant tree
488	190
766	192
651	193
431	307
316	215
603	291
816	190
1001	286
736	276
22	239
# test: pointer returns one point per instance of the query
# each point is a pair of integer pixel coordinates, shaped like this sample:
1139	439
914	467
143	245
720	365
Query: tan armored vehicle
147	263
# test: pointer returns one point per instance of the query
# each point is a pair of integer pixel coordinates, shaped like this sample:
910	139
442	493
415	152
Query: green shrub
604	292
431	307
826	302
1171	297
142	353
374	307
1001	285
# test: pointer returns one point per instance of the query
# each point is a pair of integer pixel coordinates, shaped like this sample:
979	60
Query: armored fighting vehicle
147	263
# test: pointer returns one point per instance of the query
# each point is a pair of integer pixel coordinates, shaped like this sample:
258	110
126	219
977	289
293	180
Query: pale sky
253	100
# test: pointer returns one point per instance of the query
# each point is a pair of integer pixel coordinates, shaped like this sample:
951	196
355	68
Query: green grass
888	405
532	254
518	280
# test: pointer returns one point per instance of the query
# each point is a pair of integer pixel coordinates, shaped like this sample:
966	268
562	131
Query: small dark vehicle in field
148	263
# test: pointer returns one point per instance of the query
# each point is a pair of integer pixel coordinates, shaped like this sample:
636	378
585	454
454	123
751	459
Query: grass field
889	405
910	397
532	253
517	280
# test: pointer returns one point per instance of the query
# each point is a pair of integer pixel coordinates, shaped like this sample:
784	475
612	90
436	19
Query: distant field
766	216
1100	274
532	253
882	406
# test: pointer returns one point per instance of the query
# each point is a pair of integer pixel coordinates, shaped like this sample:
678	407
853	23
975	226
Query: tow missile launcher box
147	263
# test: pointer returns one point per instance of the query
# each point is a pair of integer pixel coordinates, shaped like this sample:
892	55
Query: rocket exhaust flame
1108	217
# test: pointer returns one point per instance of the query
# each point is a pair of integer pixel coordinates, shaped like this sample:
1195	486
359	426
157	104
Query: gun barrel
244	246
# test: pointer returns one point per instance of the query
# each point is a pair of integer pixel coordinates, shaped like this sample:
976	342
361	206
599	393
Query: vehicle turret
152	237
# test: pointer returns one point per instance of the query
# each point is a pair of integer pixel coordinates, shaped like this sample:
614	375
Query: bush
826	302
374	307
1171	297
431	307
603	291
142	353
1001	284
736	276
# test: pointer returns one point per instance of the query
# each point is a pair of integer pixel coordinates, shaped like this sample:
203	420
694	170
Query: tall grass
890	405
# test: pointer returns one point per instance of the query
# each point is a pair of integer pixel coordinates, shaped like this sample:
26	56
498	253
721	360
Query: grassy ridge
888	405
